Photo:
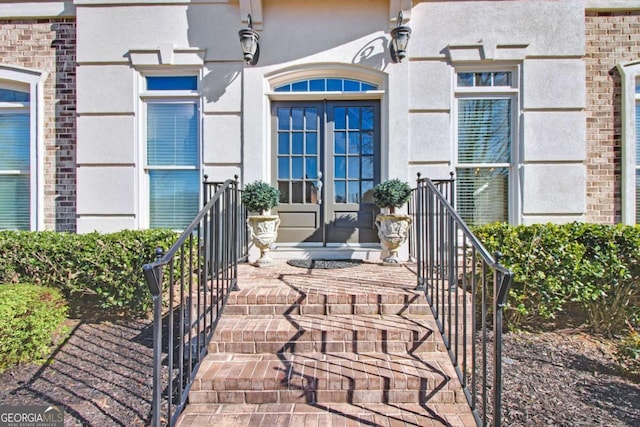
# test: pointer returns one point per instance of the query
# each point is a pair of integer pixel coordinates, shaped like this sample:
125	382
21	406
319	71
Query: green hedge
628	352
30	315
106	266
595	266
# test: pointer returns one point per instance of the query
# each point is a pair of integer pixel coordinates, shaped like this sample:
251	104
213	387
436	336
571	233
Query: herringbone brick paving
311	347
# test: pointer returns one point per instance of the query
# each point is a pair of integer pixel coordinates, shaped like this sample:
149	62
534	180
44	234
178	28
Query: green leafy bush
628	352
106	266
259	197
30	315
596	266
391	194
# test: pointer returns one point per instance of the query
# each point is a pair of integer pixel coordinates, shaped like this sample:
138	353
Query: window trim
512	92
21	78
164	96
630	74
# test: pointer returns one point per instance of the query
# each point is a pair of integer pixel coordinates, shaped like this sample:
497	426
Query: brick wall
50	45
611	38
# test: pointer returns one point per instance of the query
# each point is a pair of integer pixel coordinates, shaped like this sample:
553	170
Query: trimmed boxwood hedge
106	266
593	266
30	316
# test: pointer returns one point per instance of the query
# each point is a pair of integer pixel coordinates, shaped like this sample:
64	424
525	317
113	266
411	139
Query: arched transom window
327	85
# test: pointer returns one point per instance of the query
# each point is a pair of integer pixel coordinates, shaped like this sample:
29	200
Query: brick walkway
310	347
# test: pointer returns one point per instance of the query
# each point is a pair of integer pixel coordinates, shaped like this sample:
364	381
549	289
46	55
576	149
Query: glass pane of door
297	139
297	156
353	170
353	154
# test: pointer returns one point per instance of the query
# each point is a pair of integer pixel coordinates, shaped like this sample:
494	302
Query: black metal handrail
467	290
190	284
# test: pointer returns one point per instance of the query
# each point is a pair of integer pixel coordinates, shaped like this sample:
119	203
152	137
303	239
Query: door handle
319	187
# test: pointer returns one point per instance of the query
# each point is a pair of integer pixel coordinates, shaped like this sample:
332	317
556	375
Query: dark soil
102	376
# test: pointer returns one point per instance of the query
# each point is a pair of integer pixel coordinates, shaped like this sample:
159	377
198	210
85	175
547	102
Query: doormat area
326	264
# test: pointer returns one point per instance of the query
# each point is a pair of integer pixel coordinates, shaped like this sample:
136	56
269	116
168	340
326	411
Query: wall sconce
399	40
249	42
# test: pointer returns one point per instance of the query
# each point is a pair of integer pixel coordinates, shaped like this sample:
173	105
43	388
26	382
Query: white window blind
484	156
15	178
174	198
172	134
172	162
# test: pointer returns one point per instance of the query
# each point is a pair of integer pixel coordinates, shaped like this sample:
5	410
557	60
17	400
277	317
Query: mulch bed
565	378
102	376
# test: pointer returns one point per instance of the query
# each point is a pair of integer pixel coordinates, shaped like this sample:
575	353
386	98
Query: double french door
326	162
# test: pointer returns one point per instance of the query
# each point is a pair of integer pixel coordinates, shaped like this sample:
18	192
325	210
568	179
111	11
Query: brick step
327	415
325	334
268	300
328	309
276	293
325	378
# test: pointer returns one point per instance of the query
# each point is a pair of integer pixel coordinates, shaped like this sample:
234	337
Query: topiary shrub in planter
391	194
30	318
392	228
259	197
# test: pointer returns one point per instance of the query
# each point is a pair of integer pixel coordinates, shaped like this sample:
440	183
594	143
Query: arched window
327	85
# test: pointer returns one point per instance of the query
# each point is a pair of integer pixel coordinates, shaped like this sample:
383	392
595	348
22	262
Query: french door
326	162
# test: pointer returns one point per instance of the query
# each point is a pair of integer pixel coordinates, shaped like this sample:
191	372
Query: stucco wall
49	45
611	38
543	42
118	42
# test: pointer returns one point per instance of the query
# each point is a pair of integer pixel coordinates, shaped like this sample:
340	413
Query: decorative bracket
394	7
253	8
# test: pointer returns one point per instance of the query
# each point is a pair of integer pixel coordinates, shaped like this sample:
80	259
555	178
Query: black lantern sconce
399	40
249	42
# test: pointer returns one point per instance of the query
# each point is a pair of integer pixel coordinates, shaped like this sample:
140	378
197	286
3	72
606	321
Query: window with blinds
173	165
484	159
15	160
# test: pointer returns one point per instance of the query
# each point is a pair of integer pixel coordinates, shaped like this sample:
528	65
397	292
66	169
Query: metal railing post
419	218
503	280
153	278
234	218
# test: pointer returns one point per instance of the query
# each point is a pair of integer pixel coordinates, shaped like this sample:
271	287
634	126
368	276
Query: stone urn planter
393	228
259	197
263	231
